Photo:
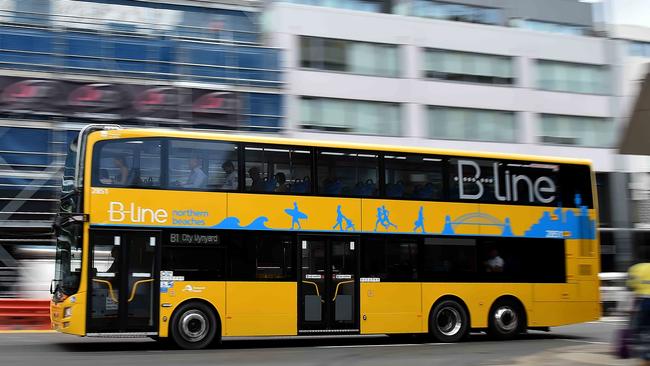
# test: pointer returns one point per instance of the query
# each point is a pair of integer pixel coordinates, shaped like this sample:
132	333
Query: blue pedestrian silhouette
419	223
341	219
296	216
382	218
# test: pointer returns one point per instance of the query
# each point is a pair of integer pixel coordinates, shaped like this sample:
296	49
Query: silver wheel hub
194	326
506	319
448	321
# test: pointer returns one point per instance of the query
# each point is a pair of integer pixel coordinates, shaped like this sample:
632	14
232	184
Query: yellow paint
270	308
78	319
212	292
261	308
391	307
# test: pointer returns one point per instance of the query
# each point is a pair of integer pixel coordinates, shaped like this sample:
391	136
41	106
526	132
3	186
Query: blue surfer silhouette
382	218
296	216
419	223
340	219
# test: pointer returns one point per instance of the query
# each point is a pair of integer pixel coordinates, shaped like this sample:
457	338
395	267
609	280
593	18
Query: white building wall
287	22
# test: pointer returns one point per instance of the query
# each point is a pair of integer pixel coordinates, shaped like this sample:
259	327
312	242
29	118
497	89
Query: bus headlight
67	312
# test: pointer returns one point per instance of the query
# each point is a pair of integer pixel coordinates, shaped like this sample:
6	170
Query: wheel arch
448	297
515	300
205	302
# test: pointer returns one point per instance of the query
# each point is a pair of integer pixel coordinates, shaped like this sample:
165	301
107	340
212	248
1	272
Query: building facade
64	64
504	76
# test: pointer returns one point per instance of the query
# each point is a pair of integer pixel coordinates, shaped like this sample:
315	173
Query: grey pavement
584	344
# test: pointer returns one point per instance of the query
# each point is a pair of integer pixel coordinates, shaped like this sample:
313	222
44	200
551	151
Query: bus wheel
506	319
448	321
194	326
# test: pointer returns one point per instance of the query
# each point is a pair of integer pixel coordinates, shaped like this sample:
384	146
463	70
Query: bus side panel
211	292
477	297
391	307
557	313
261	308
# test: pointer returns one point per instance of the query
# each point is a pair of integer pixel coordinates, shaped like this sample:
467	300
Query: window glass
342	173
456	12
570	77
376	118
390	259
127	163
552	27
348	56
413	176
262	257
472	124
469	67
278	169
575	180
195	255
448	259
576	130
203	165
504	181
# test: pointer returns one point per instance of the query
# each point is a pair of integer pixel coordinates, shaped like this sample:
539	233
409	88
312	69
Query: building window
448	11
640	49
576	130
470	67
571	77
373	118
348	56
551	27
471	124
360	5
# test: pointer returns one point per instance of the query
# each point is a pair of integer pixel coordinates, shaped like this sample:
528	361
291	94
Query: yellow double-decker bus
194	236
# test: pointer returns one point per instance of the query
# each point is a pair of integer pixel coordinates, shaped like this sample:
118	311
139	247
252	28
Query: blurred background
553	77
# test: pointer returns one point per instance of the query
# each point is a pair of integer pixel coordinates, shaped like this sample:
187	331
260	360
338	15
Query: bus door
122	281
328	291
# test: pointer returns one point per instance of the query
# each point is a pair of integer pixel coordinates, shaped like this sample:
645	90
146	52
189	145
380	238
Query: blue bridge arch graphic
477	218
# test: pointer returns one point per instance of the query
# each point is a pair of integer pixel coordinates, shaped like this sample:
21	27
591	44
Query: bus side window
272	169
348	173
203	165
413	176
127	163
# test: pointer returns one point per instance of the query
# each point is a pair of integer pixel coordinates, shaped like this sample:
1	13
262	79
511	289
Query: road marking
589	342
386	345
19	331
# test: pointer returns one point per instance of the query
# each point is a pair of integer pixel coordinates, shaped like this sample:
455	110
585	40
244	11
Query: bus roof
263	139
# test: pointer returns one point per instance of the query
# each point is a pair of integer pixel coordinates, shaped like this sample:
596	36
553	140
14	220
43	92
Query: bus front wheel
194	326
448	321
507	319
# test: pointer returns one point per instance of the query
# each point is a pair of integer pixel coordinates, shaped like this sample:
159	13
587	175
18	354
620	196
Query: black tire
448	321
194	326
506	319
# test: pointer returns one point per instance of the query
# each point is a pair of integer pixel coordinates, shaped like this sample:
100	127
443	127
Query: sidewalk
589	354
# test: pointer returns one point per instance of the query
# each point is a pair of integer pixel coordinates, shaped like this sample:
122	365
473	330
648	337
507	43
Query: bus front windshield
68	260
68	233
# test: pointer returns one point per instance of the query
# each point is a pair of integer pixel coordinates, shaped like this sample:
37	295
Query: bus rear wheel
194	326
448	321
506	319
